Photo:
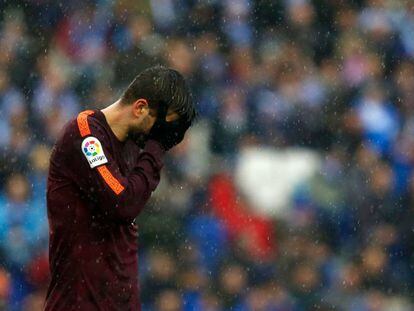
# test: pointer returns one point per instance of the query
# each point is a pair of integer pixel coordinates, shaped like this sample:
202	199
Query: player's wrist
154	146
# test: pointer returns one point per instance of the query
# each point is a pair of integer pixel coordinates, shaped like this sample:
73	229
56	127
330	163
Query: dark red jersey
97	185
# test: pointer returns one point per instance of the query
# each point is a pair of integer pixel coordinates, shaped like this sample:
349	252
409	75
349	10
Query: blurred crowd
332	76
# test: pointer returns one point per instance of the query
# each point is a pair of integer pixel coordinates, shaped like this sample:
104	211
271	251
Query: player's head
157	89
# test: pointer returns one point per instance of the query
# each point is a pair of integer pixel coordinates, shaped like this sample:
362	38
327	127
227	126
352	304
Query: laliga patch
92	149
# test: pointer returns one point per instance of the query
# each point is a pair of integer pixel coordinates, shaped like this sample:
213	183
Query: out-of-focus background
295	189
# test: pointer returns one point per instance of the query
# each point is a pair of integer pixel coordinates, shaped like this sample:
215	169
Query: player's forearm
140	183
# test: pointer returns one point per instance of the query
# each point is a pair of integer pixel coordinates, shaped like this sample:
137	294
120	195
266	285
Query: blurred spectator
21	221
4	289
232	285
168	300
161	276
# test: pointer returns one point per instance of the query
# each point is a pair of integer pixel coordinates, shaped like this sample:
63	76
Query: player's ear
140	107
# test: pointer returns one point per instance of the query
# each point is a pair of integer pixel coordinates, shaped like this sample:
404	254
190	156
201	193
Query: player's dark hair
162	86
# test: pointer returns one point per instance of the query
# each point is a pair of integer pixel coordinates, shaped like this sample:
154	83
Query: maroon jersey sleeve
99	177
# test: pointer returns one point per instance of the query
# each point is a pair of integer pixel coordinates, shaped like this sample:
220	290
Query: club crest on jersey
92	149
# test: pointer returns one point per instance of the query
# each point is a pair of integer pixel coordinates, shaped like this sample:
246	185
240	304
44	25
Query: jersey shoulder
81	141
93	137
83	125
78	129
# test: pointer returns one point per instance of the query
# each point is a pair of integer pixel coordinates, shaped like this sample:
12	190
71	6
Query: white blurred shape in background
268	177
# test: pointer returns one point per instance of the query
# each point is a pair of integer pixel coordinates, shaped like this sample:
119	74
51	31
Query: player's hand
168	134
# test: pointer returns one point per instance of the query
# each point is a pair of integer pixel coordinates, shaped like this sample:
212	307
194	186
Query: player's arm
100	177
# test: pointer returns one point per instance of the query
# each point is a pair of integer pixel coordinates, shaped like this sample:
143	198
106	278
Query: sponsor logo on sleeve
92	149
